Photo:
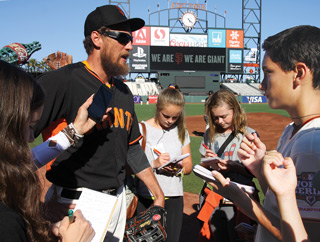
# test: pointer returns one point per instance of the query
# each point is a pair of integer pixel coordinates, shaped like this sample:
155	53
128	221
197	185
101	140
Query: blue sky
58	24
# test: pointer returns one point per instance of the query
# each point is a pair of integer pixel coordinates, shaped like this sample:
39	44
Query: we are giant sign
191	58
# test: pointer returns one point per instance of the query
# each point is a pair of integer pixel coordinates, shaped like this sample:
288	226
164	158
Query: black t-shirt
98	160
12	226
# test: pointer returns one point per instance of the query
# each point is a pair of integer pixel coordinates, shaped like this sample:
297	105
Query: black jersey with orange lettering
98	160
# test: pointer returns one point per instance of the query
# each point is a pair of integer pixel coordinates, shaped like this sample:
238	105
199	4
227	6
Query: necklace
306	116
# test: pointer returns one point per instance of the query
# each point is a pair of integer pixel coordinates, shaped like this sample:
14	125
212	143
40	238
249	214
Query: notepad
97	208
206	175
175	160
208	159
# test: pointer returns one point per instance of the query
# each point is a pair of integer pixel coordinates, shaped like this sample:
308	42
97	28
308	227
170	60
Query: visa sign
254	99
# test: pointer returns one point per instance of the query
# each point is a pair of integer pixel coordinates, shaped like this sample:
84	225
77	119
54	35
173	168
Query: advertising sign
235	67
184	40
139	58
254	99
217	38
252	55
235	61
234	39
192	58
153	99
141	36
235	56
160	36
137	99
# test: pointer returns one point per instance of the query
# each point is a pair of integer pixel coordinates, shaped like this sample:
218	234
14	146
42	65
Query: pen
71	217
256	133
257	136
204	145
156	151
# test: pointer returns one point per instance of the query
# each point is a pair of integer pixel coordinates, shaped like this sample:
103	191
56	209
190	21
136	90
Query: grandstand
143	88
150	88
244	89
255	85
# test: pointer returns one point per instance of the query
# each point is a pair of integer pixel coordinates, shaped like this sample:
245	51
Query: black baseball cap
109	15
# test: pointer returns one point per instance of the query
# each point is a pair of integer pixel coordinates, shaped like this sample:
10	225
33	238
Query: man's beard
112	68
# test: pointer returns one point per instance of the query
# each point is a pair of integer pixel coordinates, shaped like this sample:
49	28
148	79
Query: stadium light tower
251	24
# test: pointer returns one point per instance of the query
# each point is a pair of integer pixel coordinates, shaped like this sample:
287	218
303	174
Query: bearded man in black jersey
98	160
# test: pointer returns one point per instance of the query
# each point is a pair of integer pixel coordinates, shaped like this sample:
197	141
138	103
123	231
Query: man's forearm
149	179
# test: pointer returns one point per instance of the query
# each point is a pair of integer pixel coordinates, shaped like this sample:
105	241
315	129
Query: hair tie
172	86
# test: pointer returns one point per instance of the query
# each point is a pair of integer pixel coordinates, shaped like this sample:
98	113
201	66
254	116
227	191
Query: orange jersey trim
94	74
135	140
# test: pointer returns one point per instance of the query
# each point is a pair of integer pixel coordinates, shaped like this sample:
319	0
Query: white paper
97	208
175	160
206	175
203	173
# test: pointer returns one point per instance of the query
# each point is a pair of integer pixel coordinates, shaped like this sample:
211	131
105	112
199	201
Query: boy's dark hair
297	44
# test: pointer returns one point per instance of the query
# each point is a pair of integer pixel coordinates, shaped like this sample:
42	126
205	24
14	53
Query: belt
74	194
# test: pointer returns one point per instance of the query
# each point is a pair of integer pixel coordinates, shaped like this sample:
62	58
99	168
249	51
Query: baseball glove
58	60
147	226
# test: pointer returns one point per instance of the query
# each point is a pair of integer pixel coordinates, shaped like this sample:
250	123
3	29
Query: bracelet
180	173
72	134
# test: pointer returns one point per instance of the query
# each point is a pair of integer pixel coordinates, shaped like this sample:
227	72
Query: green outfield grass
191	182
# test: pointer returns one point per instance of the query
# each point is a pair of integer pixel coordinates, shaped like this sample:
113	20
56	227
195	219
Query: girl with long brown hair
227	127
21	212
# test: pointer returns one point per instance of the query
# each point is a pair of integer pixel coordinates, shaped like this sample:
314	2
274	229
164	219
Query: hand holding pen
162	158
209	152
79	230
70	215
170	170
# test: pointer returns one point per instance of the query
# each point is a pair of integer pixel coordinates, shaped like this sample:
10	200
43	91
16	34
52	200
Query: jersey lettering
120	119
129	119
305	190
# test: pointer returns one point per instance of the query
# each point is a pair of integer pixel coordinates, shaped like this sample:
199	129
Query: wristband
72	134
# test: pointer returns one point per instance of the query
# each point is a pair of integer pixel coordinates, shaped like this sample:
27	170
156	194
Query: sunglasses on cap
122	38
